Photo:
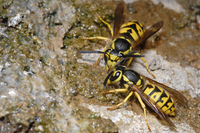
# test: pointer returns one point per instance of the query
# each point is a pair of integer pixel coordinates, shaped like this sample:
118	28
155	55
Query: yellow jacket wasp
154	94
125	38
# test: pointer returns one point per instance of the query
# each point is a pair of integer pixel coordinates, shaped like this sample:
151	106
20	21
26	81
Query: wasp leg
115	90
104	49
144	108
130	60
100	37
96	63
107	24
129	95
95	37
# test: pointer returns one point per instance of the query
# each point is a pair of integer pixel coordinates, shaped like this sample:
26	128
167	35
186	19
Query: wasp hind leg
107	24
144	108
113	91
95	37
118	90
100	37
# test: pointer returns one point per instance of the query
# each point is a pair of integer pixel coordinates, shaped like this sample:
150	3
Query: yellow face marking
113	57
112	60
111	64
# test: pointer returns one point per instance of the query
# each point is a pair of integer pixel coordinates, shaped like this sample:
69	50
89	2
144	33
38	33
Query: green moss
93	116
87	23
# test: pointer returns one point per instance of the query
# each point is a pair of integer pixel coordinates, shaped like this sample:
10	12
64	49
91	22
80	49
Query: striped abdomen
161	99
131	31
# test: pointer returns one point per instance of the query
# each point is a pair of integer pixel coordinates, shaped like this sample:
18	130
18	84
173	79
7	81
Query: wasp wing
148	33
118	20
177	95
151	104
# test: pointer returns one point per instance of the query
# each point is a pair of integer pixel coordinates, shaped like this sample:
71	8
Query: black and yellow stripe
132	31
160	98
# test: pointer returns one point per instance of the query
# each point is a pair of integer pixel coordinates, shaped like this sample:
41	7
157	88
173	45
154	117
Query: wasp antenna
98	52
105	81
125	56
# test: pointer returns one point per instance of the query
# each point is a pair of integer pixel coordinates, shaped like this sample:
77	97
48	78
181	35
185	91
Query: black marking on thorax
121	45
132	76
